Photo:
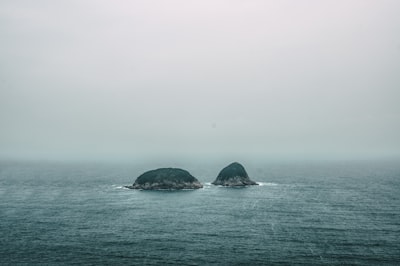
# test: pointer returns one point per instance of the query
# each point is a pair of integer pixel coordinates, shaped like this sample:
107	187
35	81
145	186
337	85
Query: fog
121	80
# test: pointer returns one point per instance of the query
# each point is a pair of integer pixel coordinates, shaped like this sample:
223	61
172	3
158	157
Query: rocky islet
233	175
166	178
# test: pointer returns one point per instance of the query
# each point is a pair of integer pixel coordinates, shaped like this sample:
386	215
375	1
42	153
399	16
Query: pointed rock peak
233	175
232	170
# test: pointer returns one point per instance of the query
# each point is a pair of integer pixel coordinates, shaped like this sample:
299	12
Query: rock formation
166	178
233	175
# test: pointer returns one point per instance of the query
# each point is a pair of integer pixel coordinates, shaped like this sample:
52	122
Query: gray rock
166	178
234	175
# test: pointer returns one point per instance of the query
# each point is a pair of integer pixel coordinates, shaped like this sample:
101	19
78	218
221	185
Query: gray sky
124	79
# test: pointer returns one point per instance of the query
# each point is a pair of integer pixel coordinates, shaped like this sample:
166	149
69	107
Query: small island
166	179
234	175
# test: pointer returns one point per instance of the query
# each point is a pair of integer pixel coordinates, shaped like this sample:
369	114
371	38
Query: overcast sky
92	79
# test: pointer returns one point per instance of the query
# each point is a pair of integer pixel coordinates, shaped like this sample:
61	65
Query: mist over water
97	80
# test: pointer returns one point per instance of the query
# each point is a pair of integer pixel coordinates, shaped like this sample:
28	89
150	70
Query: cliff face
166	178
233	175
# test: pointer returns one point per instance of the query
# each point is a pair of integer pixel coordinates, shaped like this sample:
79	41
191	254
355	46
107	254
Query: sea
302	213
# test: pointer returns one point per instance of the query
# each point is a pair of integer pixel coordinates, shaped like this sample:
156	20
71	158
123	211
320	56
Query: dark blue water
302	213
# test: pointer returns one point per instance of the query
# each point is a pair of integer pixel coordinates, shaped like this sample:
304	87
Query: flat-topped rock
166	178
234	175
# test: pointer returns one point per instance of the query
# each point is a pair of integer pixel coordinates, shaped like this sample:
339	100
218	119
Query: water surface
302	213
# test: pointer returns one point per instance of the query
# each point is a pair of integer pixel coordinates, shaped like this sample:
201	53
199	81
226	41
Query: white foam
119	187
261	184
207	186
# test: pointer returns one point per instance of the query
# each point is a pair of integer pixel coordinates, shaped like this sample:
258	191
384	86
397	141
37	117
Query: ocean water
327	213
